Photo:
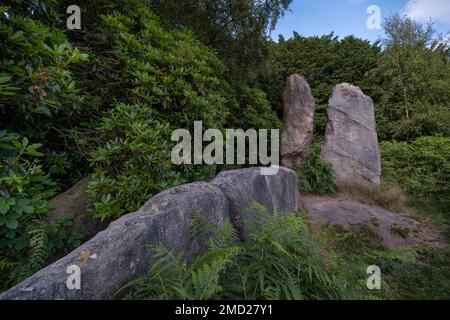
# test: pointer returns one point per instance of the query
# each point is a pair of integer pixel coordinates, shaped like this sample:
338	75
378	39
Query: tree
324	61
236	29
411	83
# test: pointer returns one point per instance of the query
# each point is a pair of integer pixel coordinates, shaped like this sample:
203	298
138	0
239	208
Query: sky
349	17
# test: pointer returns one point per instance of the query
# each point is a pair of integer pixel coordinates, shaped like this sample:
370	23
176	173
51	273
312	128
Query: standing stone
298	109
351	142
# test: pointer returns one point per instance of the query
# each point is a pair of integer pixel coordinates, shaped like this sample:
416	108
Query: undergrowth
314	174
285	258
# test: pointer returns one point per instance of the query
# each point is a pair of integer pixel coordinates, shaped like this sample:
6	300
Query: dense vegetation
285	259
103	101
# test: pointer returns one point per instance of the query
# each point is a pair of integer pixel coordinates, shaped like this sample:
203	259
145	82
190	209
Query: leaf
28	209
21	244
12	224
4	207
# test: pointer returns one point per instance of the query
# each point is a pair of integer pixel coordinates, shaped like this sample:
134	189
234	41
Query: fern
315	175
38	252
281	260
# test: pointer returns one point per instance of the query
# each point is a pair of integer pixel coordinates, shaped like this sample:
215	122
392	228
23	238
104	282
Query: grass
400	231
287	258
389	197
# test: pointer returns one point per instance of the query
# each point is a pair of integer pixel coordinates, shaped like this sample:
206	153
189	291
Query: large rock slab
393	230
351	142
121	253
298	129
278	192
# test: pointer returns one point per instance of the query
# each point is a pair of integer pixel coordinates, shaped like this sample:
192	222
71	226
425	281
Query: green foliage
168	81
408	274
324	62
411	83
281	260
26	242
314	174
285	258
423	278
253	110
237	30
39	97
422	167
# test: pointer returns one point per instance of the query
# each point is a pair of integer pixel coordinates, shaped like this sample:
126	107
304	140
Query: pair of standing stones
351	142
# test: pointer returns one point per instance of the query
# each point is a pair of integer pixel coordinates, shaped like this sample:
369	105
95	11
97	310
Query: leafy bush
411	82
422	167
164	80
253	110
26	240
285	258
314	174
39	97
281	260
168	81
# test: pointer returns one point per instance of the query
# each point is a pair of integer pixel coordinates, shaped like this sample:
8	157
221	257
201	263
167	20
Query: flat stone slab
395	230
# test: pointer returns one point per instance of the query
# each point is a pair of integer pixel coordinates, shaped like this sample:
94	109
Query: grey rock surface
120	253
278	192
298	115
351	142
385	224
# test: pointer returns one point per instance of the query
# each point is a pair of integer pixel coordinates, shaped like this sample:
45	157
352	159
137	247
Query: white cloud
437	10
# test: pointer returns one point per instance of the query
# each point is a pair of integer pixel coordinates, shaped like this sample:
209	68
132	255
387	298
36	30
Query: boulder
278	192
76	202
298	129
121	253
351	142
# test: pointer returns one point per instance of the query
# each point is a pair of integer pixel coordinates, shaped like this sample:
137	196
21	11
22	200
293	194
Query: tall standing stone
351	142
298	130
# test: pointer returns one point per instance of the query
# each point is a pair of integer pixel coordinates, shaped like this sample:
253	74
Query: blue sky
346	17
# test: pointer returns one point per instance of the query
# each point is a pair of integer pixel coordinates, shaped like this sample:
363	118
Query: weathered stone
298	129
278	192
350	214
76	202
120	253
351	142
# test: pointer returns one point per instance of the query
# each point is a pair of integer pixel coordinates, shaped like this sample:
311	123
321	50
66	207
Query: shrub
282	260
314	174
39	97
168	81
26	240
164	80
253	110
422	167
